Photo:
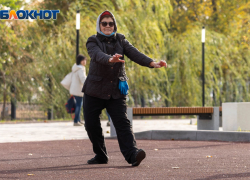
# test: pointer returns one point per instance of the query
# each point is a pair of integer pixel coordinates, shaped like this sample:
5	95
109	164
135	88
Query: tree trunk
135	98
4	96
215	13
142	103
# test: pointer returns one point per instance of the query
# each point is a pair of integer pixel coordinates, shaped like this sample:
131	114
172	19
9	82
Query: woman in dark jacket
106	87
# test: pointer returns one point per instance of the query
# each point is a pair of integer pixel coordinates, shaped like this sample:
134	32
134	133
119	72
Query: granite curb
201	135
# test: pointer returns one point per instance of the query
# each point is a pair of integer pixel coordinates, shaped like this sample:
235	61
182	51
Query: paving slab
24	132
170	160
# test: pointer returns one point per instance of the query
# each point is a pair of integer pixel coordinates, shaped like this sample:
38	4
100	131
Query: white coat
78	79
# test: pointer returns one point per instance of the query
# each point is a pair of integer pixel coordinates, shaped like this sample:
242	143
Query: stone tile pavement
25	132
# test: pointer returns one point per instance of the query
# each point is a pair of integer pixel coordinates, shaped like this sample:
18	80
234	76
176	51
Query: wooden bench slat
168	110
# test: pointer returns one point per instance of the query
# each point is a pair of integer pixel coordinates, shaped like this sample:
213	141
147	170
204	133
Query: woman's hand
115	58
160	64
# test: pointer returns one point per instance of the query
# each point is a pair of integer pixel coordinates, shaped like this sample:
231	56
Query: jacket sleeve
95	53
82	75
135	55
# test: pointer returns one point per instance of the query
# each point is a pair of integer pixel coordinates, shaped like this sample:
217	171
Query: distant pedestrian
78	79
108	123
107	87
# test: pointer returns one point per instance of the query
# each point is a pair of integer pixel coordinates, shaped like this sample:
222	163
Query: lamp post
203	64
77	31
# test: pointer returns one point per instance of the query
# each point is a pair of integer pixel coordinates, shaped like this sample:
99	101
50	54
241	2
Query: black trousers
117	110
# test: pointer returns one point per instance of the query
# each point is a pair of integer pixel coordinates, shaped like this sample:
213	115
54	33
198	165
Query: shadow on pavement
68	168
50	157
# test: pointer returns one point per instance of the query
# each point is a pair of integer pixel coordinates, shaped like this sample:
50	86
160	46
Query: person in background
108	123
78	79
106	87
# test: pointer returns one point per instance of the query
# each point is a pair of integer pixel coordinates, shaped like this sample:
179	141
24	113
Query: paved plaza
59	151
25	132
166	160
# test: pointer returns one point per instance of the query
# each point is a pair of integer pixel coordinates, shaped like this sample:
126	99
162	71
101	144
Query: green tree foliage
227	51
12	4
15	60
168	30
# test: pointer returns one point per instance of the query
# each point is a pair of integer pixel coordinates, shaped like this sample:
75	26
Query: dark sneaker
96	161
138	157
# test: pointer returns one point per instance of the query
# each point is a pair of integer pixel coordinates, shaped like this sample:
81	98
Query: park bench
151	111
208	118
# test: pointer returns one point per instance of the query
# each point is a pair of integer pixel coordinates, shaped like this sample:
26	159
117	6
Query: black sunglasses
104	24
